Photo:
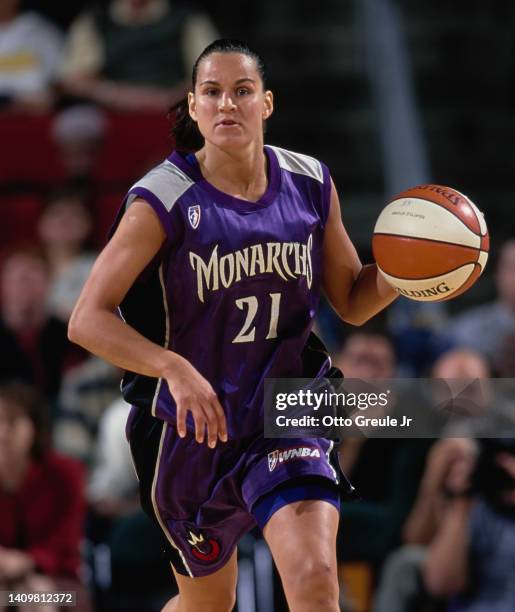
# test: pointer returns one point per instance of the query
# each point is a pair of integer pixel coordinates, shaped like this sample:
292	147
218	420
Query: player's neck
241	174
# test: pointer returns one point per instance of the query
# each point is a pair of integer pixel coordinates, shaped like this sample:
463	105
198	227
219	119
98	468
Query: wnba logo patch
194	215
202	549
300	452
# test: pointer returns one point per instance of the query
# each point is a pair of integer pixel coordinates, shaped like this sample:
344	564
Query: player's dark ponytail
184	130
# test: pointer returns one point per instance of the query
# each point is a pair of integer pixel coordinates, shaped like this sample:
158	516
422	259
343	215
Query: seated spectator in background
113	486
384	471
138	577
134	54
42	504
490	328
416	330
425	516
65	227
449	460
95	162
471	558
35	346
365	354
30	55
401	587
86	391
79	134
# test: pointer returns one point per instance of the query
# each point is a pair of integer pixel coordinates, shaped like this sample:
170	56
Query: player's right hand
191	391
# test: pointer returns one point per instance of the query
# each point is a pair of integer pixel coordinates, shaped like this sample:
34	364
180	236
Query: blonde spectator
30	54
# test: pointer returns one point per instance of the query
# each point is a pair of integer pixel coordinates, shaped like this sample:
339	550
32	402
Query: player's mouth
227	123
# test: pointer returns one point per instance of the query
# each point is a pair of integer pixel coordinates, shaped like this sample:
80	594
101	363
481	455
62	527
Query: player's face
229	103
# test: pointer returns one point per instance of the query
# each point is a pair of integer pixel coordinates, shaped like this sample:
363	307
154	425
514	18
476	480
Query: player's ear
191	106
268	104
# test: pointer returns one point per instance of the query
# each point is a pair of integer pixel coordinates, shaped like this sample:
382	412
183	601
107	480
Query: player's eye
211	91
242	91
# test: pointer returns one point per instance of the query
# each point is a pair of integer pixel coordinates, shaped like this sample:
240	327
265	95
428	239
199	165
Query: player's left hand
193	393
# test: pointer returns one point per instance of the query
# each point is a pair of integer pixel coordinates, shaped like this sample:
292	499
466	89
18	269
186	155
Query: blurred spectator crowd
83	113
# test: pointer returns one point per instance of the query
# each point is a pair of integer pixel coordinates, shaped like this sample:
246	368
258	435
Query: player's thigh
218	590
302	539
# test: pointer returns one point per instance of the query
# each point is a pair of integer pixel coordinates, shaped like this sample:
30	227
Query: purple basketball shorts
203	498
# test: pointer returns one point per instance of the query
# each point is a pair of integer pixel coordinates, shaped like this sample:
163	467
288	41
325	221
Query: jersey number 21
248	332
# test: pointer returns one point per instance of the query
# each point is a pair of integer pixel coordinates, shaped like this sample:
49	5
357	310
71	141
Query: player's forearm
107	336
369	294
445	568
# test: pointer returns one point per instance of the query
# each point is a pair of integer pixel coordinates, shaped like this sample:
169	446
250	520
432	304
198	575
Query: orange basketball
431	243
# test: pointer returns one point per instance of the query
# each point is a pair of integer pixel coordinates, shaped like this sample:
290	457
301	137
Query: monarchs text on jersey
236	284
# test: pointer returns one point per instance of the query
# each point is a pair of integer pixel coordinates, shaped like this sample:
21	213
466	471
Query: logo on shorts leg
203	550
288	454
194	215
272	460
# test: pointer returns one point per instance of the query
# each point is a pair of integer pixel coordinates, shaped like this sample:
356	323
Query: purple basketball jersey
236	285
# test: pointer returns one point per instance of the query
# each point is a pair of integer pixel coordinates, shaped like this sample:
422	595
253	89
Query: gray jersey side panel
299	163
167	182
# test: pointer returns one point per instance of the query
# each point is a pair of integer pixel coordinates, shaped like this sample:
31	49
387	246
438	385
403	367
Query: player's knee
226	601
221	604
314	581
221	601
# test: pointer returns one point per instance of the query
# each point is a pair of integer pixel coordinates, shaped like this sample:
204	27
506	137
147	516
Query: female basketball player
216	265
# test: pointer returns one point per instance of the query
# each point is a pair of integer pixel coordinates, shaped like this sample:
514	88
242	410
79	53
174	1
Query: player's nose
226	102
